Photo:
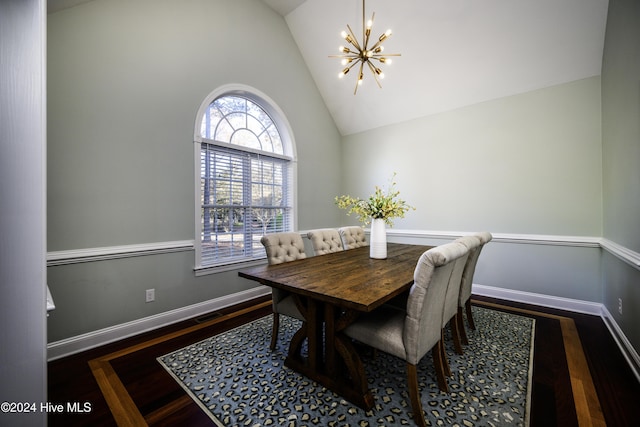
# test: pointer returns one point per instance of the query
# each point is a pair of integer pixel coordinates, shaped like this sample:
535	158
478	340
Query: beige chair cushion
325	241
283	303
352	237
283	247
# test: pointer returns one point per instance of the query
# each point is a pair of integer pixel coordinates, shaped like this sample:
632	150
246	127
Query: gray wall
525	165
23	373
621	159
125	82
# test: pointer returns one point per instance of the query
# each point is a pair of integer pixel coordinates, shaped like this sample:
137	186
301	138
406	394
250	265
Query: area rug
238	381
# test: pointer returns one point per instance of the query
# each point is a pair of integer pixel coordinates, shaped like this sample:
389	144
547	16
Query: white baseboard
567	304
627	349
549	301
69	346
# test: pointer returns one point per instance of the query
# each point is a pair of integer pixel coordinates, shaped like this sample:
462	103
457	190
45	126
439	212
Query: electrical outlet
620	305
150	295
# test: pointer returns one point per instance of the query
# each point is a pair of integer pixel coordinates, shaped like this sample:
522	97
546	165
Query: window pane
240	121
223	131
246	138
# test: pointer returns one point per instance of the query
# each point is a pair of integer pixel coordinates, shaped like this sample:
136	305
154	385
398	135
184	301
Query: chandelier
363	54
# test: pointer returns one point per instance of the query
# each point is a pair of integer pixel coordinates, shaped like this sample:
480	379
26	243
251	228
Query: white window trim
289	146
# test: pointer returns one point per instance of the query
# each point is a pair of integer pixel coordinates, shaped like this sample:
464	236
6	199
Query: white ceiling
454	52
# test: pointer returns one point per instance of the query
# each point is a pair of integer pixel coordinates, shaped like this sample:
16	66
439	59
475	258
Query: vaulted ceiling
454	53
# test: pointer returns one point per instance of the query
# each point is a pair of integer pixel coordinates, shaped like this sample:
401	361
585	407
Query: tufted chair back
352	237
325	241
283	247
427	298
470	268
453	291
464	299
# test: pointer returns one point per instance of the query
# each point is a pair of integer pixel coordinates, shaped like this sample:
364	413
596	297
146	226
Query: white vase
378	239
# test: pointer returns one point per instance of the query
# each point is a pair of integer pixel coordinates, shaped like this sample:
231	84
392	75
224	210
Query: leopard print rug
238	381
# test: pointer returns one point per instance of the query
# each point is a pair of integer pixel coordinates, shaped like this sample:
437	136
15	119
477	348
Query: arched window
244	174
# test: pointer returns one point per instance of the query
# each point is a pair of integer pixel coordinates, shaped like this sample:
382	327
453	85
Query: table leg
311	330
329	353
330	333
344	348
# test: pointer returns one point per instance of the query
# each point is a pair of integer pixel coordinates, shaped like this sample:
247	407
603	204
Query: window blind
244	195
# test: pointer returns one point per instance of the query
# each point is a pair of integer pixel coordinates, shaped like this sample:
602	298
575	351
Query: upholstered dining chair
352	237
325	240
464	301
410	334
450	315
282	247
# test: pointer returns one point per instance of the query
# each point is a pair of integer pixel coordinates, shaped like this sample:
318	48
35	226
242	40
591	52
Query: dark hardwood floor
124	381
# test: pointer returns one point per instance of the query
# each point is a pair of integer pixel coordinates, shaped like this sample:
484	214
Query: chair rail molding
527	239
75	256
627	255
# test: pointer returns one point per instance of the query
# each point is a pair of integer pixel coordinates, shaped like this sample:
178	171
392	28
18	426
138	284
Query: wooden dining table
331	291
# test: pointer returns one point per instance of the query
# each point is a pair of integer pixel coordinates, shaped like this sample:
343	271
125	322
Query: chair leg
443	355
467	305
274	331
439	367
414	393
463	332
455	332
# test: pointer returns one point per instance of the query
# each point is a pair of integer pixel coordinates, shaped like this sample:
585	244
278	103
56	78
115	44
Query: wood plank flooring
580	377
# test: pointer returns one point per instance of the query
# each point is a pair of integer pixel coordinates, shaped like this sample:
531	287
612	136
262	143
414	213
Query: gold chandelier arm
382	38
367	33
380	57
347	69
359	78
353	39
375	73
